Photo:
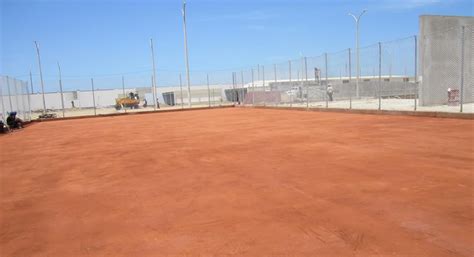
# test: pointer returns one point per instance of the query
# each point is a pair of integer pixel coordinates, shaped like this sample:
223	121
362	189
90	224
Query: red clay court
238	182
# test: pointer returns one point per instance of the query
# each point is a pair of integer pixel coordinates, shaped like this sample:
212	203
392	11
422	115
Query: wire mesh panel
220	83
250	82
283	71
200	95
246	92
317	83
285	87
398	78
14	98
366	89
340	89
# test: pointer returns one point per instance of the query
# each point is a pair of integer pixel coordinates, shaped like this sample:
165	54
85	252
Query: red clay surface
239	182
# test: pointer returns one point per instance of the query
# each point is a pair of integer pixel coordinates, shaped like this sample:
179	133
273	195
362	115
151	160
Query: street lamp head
353	16
357	18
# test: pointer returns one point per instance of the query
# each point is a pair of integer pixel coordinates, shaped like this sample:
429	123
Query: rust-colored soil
238	182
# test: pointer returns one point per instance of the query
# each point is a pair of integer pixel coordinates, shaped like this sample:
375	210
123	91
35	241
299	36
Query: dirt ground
238	182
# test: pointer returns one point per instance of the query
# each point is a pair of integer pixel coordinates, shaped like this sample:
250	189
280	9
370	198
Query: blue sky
105	38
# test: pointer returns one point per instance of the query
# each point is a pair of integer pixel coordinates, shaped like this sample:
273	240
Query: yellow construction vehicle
131	101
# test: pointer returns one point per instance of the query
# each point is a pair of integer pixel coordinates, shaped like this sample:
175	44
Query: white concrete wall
106	97
440	57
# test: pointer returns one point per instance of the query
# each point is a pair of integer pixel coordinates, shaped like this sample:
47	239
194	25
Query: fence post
31	81
253	90
15	93
213	98
29	101
123	86
462	70
275	71
155	96
153	82
123	91
305	68
208	90
41	75
15	87
93	96
61	89
181	90
1	95
9	94
258	72
2	114
264	89
380	77
306	82
241	92
350	79
289	70
22	86
326	89
416	72
233	88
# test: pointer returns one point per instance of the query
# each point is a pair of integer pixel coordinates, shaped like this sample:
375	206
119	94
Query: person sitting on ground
13	122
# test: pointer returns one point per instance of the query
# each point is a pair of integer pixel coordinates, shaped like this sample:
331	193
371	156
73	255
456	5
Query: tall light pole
41	75
357	20
31	82
186	58
155	97
61	89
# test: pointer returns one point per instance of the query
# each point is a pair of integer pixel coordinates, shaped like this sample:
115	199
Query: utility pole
41	75
31	82
155	97
357	21
61	89
181	89
186	54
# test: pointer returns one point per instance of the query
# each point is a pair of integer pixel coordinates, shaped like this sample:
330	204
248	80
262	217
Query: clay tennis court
239	182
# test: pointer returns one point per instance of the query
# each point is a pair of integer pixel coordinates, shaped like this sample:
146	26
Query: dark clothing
14	122
11	121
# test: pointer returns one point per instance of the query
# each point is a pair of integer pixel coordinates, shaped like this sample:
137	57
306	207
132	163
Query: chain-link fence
431	73
15	97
